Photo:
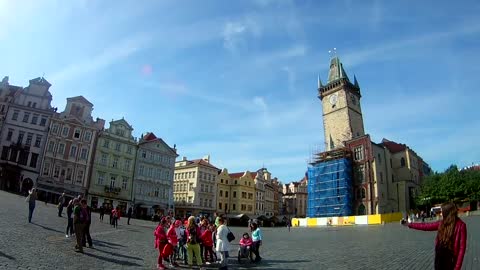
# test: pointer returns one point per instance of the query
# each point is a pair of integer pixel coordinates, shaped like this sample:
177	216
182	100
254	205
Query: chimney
207	158
184	159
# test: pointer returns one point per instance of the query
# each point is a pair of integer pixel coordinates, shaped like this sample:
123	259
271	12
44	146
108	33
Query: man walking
78	221
88	221
61	202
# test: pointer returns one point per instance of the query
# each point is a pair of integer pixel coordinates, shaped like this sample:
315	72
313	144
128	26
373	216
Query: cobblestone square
42	244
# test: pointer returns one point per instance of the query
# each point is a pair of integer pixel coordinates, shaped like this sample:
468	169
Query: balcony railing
113	190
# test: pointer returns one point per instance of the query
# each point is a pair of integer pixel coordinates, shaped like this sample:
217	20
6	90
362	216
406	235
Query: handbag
230	236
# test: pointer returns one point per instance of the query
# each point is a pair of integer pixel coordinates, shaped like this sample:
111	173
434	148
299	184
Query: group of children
172	236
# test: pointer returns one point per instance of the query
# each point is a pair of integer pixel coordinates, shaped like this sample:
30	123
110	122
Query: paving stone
42	244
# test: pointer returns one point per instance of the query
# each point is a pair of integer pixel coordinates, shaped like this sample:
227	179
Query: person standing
61	203
173	240
257	240
31	199
88	221
129	215
115	217
78	223
102	212
223	245
160	242
69	231
193	239
451	240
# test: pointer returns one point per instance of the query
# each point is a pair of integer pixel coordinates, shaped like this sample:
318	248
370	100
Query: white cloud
108	56
232	35
265	59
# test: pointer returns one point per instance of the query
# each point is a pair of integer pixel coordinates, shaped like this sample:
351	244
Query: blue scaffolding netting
330	189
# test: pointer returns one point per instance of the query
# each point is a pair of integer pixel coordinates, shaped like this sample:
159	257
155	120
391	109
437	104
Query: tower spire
355	82
320	84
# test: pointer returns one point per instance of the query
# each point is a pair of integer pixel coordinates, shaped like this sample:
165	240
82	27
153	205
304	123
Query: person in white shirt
223	246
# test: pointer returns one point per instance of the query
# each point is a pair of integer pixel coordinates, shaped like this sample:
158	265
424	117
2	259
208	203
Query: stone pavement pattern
42	245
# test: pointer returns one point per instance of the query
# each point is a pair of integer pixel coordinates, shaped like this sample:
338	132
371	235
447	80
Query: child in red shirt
160	242
207	241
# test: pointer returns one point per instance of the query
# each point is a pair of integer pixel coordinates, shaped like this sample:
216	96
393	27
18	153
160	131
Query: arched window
402	162
364	193
361	210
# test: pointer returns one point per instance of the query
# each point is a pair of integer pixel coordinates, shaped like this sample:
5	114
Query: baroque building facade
111	182
153	178
69	150
195	188
26	114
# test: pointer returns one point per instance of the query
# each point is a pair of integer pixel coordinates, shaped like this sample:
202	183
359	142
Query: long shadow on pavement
104	243
119	255
7	256
112	260
47	228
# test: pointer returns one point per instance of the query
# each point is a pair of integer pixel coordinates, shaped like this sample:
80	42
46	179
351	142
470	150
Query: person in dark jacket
88	221
69	231
102	212
129	215
78	223
451	240
61	203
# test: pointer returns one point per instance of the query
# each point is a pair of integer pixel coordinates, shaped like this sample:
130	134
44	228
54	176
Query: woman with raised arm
451	240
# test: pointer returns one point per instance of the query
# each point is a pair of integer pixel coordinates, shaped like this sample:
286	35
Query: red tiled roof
236	175
204	163
149	136
253	174
393	146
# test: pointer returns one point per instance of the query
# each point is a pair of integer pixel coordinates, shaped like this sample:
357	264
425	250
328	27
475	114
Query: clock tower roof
336	71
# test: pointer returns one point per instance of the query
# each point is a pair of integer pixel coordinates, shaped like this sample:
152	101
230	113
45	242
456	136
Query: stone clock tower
342	114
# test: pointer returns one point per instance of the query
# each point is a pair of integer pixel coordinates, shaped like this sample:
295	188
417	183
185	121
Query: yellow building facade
235	193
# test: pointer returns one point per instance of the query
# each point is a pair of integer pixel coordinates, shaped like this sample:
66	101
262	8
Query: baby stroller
245	249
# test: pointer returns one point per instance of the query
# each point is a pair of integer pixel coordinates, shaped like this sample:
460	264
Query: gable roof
203	162
393	147
149	137
236	175
80	99
40	81
121	121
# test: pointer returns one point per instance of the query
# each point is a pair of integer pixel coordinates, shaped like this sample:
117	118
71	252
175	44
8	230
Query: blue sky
237	80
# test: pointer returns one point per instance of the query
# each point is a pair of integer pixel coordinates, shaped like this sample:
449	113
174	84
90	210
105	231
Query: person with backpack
79	219
87	223
193	240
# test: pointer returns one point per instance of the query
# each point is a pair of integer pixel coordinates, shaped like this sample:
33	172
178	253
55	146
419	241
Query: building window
34	105
80	176
56	171
391	163
51	146
402	162
88	136
117	147
358	153
104	159
393	178
201	201
73	151
193	175
9	134
76	134
46	169
26	116
124	182
129	149
381	178
112	181
233	207
83	154
220	205
69	174
144	154
191	186
234	195
23	157
360	174
35	119
43	121
221	193
364	193
115	162
55	129
20	137
379	159
65	131
361	210
141	170
38	140
226	194
33	160
101	178
106	143
29	139
127	165
235	182
15	115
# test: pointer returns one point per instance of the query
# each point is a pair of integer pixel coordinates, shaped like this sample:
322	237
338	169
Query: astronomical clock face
333	99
